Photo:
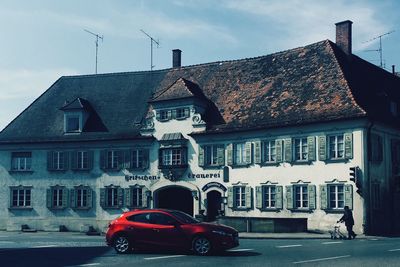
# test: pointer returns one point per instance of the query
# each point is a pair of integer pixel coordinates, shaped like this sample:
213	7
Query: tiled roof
172	137
315	83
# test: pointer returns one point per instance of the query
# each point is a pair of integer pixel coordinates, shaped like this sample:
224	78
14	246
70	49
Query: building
274	143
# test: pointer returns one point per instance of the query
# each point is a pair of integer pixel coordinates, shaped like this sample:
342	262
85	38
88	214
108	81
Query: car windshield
183	217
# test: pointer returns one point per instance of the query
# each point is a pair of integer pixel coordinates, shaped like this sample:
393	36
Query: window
137	159
301	196
269	151
111	197
211	155
81	197
58	160
173	157
73	123
164	115
182	113
239	196
111	159
57	197
269	197
336	146
142	218
21	161
336	196
82	160
300	149
162	219
20	197
376	154
137	196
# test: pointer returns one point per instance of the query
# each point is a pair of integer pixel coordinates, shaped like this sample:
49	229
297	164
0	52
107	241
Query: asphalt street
75	249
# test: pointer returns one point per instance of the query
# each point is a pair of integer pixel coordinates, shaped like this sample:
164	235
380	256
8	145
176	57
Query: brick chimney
176	58
343	35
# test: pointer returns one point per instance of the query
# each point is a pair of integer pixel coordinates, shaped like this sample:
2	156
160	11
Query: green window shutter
249	197
128	200
73	198
201	156
311	197
89	198
120	192
90	159
226	174
221	155
348	195
127	159
348	145
322	148
229	154
144	197
103	159
158	115
169	114
279	197
323	192
279	152
187	112
146	158
259	200
49	198
120	158
230	197
311	148
74	160
288	149
66	160
248	152
289	197
65	197
50	163
102	197
257	152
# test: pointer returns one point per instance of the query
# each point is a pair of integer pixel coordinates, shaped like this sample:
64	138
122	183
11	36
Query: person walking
348	220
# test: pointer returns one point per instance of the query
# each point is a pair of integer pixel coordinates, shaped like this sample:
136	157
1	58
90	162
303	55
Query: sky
42	40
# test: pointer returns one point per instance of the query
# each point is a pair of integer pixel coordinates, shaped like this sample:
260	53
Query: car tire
122	244
201	245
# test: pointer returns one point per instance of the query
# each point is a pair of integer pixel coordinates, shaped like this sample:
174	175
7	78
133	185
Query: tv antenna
380	46
152	40
97	44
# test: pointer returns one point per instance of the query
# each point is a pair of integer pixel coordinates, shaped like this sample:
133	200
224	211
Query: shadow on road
54	257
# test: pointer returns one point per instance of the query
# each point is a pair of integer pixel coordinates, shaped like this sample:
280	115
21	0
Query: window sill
20	208
82	208
305	210
267	164
21	171
82	170
57	170
240	209
334	210
57	208
211	167
111	207
270	209
236	166
167	167
301	162
336	160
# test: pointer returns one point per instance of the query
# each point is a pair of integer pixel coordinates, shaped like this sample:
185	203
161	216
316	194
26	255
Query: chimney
343	35
176	58
393	70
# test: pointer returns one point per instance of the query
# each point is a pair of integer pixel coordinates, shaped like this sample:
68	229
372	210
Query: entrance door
175	198
213	205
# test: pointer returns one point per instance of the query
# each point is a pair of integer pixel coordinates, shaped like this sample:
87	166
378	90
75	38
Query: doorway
175	198
213	205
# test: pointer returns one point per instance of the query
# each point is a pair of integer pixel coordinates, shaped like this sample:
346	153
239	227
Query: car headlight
218	232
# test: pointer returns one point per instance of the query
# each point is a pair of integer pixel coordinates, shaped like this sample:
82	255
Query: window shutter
201	156
289	197
311	197
158	115
90	159
323	192
169	114
89	197
128	201
278	146
127	159
187	113
120	158
221	155
146	158
248	152
257	152
102	197
173	115
229	152
120	192
49	198
144	197
50	163
74	160
279	197
103	159
65	197
348	145
249	197
259	196
66	160
322	148
226	174
73	198
230	197
348	195
288	149
311	148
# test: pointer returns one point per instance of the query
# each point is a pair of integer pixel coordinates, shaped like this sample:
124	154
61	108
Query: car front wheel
122	244
201	245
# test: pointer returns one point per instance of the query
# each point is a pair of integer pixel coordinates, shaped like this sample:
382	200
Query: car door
140	228
166	231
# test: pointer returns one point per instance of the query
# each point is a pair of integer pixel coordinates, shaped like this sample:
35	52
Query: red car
170	229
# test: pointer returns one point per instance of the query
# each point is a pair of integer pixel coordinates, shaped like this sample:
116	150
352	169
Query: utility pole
152	40
97	44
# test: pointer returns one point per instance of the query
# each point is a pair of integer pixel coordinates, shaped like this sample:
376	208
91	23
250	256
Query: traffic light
353	174
356	177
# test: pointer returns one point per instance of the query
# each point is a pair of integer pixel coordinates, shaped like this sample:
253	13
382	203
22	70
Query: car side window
160	218
142	218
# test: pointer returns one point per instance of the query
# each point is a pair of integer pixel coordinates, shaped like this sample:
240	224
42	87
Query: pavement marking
332	242
374	239
240	249
45	246
289	246
7	242
322	259
397	249
164	257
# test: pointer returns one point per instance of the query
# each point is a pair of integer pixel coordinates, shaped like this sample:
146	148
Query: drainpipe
367	198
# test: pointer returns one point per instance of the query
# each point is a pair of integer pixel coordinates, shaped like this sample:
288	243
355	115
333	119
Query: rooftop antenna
97	44
152	40
380	46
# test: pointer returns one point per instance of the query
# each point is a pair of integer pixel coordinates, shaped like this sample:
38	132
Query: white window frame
211	155
57	197
137	158
137	196
301	196
23	197
21	162
82	159
239	153
338	196
58	160
269	151
82	197
164	115
300	149
173	156
269	196
239	199
74	115
112	159
181	113
111	197
336	146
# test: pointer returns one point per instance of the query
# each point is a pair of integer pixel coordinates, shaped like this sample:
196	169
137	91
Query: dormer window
76	116
182	113
73	122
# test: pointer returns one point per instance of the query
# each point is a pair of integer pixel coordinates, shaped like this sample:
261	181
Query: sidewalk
302	235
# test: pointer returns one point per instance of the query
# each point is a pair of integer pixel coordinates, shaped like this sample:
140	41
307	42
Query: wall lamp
194	195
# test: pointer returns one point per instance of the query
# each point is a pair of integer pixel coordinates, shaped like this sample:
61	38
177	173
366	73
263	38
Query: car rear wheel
122	244
201	245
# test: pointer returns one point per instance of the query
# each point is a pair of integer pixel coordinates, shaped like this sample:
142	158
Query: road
75	249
